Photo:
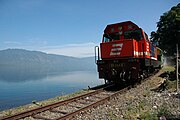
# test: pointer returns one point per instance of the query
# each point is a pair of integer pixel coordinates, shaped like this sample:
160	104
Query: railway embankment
152	99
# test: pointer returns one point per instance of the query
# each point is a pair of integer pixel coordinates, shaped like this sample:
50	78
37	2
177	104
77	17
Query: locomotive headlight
120	33
114	72
133	68
120	28
112	29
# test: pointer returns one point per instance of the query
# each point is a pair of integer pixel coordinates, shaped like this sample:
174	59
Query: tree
168	32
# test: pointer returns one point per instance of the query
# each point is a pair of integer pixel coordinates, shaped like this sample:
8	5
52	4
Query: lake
22	88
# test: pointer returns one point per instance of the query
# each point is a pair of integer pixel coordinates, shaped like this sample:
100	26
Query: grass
112	116
9	112
162	111
168	68
146	93
148	116
171	83
141	105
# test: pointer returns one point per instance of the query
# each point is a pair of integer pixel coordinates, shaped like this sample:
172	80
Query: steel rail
50	106
95	104
72	114
103	100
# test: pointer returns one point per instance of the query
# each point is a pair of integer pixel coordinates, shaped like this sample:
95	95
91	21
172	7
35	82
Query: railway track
68	108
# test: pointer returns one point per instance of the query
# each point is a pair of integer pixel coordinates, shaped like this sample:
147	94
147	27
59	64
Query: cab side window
147	39
106	39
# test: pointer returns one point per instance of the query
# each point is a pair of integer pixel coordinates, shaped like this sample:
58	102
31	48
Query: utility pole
177	73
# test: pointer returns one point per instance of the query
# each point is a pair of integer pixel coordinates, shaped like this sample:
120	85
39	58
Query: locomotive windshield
111	37
107	38
135	34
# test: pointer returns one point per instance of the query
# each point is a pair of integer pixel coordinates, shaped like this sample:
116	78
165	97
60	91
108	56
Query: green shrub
168	68
148	116
163	111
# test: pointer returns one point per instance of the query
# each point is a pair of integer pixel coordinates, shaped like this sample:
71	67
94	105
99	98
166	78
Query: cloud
12	43
30	44
36	41
75	50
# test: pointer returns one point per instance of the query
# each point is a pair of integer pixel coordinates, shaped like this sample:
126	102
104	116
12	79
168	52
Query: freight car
126	54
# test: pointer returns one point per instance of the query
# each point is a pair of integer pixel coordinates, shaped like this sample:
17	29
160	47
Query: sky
71	27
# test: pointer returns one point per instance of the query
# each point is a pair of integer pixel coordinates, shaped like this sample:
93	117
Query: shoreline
35	104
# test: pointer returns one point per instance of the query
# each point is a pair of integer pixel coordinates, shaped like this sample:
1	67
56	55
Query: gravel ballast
136	103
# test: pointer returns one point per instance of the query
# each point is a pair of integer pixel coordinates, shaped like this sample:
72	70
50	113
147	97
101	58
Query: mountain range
15	62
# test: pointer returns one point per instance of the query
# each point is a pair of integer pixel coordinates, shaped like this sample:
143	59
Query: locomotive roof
123	24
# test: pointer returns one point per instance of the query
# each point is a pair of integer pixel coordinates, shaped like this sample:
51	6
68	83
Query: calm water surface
17	90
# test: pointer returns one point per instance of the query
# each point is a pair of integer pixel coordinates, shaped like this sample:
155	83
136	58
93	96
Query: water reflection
21	74
22	86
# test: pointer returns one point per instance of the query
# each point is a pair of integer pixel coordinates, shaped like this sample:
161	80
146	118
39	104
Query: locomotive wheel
133	83
106	81
139	79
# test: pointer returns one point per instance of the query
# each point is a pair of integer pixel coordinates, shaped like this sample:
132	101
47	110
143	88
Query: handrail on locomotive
96	48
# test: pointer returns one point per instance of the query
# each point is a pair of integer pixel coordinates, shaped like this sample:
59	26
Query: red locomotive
126	53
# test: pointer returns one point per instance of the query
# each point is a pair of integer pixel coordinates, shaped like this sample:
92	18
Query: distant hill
13	58
19	61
